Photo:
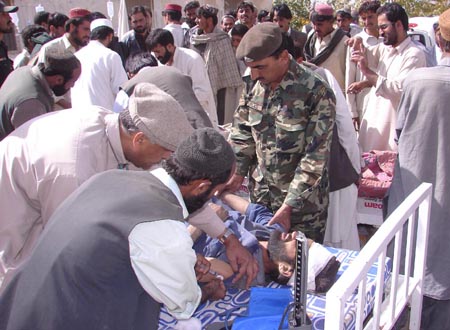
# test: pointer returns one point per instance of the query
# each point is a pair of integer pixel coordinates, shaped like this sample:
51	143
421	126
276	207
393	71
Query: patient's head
282	247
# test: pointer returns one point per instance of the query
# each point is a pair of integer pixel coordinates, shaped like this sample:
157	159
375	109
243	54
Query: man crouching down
118	247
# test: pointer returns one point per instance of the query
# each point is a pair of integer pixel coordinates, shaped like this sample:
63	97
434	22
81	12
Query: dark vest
79	275
341	171
176	84
20	86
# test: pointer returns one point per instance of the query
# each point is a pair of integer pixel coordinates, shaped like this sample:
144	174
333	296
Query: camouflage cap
260	42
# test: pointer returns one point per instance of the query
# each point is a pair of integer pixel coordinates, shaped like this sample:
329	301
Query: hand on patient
213	290
201	268
241	261
282	217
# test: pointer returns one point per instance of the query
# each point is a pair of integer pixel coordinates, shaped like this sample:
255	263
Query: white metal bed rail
405	288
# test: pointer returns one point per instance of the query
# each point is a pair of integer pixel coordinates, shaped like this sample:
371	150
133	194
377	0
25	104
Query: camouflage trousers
311	219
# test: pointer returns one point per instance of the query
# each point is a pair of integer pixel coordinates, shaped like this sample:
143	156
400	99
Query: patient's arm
220	267
235	202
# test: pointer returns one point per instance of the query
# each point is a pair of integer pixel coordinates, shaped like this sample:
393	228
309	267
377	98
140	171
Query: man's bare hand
214	290
241	261
354	42
201	267
356	123
357	87
283	217
234	183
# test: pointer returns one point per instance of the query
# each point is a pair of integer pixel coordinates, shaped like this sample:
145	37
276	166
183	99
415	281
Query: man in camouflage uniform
282	132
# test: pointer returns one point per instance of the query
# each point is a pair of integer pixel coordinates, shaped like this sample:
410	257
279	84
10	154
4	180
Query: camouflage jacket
283	136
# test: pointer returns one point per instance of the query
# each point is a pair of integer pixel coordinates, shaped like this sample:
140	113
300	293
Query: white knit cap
101	22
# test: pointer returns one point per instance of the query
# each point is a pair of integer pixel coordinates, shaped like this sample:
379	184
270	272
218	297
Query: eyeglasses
385	26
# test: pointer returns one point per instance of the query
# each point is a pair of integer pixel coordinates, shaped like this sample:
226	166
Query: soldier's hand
283	217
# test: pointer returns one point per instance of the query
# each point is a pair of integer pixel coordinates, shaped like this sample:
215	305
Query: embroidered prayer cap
99	22
7	9
322	12
260	42
444	24
159	116
205	151
172	7
78	12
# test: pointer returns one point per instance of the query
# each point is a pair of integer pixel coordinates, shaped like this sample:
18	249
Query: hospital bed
371	290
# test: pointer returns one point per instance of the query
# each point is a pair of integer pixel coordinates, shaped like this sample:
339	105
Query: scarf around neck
324	53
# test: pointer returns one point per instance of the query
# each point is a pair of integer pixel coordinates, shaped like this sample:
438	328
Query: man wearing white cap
102	70
47	158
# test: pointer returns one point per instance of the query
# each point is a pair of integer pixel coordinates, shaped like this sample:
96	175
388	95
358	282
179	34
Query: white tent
123	19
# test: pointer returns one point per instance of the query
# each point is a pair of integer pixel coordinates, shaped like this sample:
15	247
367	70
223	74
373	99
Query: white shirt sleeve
163	259
118	74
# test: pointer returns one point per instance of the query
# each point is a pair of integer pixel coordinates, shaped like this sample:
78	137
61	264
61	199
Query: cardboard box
370	211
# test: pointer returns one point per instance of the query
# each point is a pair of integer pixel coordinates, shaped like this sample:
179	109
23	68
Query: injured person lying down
273	248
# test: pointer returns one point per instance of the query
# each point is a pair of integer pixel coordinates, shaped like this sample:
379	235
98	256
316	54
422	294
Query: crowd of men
95	196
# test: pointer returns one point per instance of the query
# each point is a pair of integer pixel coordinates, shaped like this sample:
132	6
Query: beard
140	30
390	39
164	59
195	203
77	40
59	90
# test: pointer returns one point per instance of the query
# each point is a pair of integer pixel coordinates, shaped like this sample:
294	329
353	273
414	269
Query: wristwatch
222	238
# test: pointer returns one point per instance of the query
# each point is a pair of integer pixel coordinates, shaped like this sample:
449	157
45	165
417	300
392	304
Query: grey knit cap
205	151
158	116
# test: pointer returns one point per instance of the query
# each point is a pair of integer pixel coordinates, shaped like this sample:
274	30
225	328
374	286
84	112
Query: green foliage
300	8
300	11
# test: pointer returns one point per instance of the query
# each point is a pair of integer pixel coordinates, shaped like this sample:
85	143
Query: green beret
259	42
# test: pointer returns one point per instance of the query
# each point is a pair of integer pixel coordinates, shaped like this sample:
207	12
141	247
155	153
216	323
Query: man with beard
141	24
65	148
161	43
28	91
103	73
119	247
6	26
77	33
249	222
77	36
396	57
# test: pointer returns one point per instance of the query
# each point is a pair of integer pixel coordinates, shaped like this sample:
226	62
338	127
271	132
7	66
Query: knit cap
205	151
158	116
